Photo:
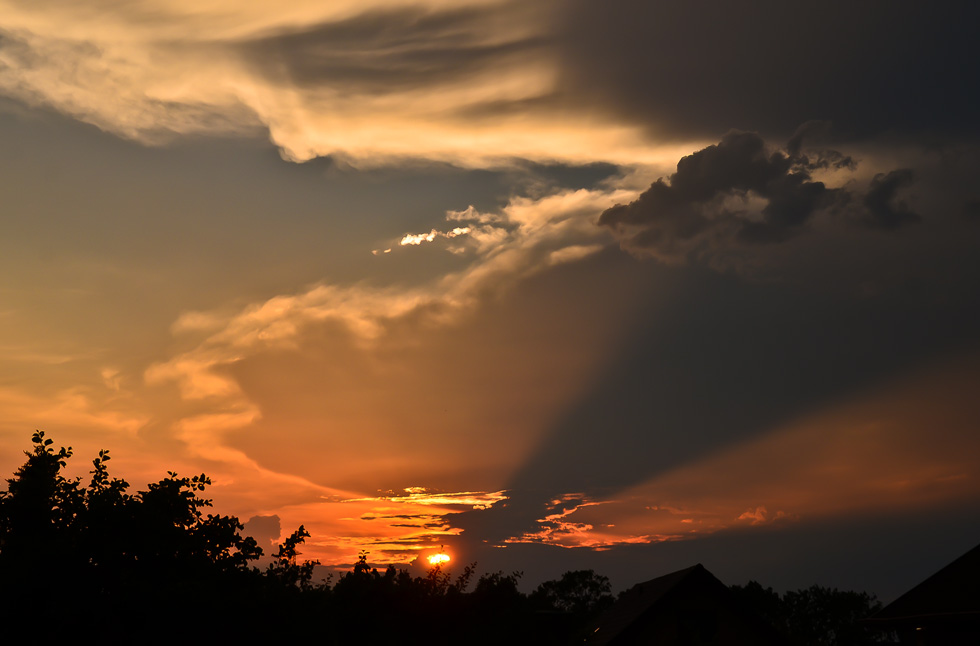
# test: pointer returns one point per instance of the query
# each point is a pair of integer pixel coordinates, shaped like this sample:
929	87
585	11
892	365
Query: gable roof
951	593
635	601
646	597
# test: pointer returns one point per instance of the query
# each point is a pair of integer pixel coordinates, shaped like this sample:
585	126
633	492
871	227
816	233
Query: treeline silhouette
816	616
153	566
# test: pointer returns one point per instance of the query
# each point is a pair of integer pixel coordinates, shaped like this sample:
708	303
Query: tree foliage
100	552
157	563
578	591
815	616
105	558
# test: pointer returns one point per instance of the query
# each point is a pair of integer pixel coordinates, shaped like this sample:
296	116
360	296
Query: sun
438	559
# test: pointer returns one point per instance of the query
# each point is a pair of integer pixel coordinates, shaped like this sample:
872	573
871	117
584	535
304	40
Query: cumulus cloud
742	192
736	191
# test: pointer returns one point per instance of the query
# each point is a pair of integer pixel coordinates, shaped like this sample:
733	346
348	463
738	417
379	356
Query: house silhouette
943	609
689	607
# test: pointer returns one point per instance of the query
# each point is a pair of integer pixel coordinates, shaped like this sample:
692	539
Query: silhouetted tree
565	606
151	563
286	568
827	616
581	592
815	616
765	602
37	523
99	555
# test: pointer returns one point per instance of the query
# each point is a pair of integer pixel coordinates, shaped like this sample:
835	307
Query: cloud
473	83
483	82
74	407
577	520
393	527
266	530
856	457
851	459
741	193
761	516
573	253
369	324
733	192
398	49
418	238
557	529
884	209
425	496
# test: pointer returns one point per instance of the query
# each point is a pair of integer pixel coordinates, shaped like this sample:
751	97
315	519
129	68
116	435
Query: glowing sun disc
438	559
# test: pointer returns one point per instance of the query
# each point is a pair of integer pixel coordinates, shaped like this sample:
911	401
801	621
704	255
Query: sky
547	286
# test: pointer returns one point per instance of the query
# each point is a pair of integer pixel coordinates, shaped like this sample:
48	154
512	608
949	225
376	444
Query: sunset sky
555	285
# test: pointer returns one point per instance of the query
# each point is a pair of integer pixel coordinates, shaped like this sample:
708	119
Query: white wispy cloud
418	238
525	237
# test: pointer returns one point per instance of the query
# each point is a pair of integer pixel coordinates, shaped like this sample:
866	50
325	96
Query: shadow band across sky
722	362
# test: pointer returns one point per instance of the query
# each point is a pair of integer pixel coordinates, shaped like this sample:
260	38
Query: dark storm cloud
385	50
714	202
708	202
884	208
694	68
821	158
